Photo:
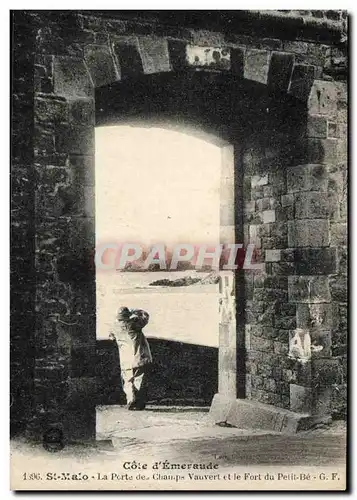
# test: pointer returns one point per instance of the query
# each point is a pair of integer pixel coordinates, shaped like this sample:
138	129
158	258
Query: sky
156	185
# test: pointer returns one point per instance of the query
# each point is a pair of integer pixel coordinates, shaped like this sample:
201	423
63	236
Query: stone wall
182	374
296	214
294	186
22	276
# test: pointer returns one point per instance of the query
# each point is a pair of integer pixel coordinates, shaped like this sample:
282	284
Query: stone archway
261	87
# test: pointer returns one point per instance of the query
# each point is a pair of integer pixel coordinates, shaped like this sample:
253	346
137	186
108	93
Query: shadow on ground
188	434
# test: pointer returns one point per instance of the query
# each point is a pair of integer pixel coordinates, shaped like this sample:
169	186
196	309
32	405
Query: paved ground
191	435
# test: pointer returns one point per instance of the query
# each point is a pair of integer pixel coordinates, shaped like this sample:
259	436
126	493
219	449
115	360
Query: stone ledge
247	414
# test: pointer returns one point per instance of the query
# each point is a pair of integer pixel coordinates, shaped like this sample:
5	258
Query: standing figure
134	353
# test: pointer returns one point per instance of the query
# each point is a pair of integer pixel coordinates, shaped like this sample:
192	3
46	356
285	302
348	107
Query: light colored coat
134	350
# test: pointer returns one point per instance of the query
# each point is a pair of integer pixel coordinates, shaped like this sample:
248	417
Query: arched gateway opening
163	189
233	118
256	129
165	174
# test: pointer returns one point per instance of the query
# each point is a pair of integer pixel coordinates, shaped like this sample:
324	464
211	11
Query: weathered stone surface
269	294
317	178
287	255
206	38
55	160
268	216
312	205
338	234
313	289
263	230
327	372
43	79
258	180
75	139
261	331
319	291
289	375
279	282
342	110
342	91
83	170
246	414
337	179
317	126
249	206
281	66
51	110
269	384
82	240
52	199
256	65
257	192
339	401
321	150
284	214
71	78
272	255
98	25
260	344
343	315
101	65
44	141
308	233
342	258
287	200
237	61
301	81
268	191
338	287
317	54
300	398
318	316
266	397
321	344
283	268
334	209
287	309
82	111
177	54
285	322
341	153
126	50
281	348
81	424
252	158
323	99
332	130
279	234
21	195
297	47
310	261
259	43
307	178
268	243
154	55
